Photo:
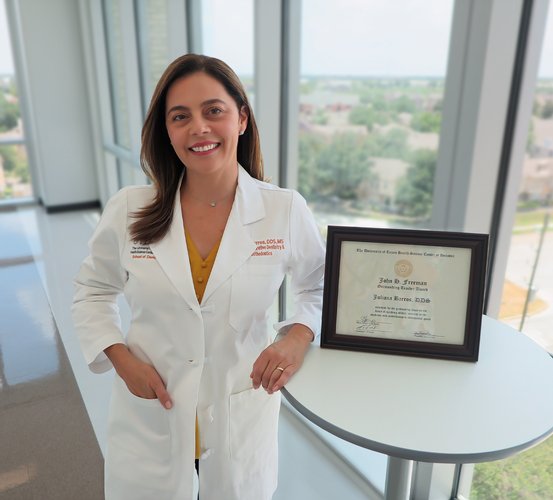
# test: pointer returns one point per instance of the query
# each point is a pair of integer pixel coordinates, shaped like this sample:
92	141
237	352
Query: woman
200	256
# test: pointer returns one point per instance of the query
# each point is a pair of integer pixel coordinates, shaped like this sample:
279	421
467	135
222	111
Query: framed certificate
403	291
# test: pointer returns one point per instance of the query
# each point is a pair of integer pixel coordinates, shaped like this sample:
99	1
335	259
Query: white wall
53	74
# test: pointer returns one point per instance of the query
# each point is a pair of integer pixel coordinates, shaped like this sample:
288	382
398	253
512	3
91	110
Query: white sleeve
306	268
99	281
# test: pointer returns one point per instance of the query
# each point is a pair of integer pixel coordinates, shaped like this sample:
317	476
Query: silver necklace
213	203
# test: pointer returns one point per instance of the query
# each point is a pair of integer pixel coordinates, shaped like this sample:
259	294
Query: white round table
428	410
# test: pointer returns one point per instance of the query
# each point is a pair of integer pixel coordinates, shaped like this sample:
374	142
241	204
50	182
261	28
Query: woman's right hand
141	378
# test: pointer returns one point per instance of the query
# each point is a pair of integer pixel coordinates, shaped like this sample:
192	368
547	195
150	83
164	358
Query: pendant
212	204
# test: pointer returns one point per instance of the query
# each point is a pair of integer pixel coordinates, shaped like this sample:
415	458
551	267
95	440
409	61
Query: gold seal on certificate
403	268
404	291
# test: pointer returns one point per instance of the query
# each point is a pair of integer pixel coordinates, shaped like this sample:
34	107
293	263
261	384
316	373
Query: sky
6	60
339	37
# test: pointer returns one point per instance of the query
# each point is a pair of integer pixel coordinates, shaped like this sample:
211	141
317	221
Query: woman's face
203	123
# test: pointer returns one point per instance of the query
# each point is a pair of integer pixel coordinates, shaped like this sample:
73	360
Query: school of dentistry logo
141	252
403	268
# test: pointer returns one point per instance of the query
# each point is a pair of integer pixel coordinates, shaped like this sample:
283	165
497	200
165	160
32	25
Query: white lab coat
204	352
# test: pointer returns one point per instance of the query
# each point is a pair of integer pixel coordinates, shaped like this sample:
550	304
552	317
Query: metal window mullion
513	152
132	74
194	34
36	167
267	69
89	28
179	28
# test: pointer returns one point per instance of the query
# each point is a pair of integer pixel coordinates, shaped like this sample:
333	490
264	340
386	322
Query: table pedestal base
398	479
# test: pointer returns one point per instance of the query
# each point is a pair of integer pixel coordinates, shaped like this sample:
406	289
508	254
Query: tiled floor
48	449
53	410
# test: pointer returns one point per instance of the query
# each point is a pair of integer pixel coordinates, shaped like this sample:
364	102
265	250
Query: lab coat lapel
237	244
172	255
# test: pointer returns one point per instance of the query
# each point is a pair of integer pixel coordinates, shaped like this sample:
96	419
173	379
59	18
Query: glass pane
116	64
15	179
372	83
370	109
154	47
129	174
527	300
227	33
528	290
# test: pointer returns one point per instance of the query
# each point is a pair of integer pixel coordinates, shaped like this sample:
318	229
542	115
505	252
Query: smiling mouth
203	149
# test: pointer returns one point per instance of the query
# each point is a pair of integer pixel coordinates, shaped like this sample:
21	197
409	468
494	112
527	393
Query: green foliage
14	162
310	147
320	118
527	475
335	168
366	115
308	86
392	144
415	191
546	111
426	122
404	104
9	114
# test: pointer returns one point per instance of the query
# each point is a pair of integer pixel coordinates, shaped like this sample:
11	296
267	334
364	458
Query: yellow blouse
201	269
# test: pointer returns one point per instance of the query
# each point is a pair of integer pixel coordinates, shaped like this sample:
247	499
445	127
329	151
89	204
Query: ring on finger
279	368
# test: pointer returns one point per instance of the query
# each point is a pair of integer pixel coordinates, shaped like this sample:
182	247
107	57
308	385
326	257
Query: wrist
301	332
119	355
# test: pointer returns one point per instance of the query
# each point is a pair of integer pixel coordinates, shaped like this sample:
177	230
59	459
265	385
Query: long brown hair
157	157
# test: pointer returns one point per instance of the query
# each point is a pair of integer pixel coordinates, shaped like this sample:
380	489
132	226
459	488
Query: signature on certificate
426	334
367	325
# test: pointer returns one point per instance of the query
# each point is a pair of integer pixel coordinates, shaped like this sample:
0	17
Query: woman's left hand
278	362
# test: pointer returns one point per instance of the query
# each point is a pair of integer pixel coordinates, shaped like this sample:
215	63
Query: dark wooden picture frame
471	250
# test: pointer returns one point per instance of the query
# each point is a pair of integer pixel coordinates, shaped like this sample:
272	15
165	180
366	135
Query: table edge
409	454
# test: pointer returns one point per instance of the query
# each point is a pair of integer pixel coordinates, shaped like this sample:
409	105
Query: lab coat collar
237	245
172	255
235	248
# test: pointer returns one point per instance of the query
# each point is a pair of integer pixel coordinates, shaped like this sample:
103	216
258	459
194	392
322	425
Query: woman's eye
178	118
215	111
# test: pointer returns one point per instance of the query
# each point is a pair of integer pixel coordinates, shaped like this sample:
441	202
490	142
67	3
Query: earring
241	132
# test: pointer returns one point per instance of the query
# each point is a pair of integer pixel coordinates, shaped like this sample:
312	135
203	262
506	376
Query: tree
546	110
426	122
310	146
335	168
9	114
404	104
415	190
366	115
363	115
320	118
15	162
392	144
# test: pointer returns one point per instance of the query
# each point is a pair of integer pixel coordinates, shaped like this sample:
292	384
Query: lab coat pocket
254	287
139	437
253	432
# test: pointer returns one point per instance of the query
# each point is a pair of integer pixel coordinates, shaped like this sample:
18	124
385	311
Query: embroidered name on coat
141	252
268	247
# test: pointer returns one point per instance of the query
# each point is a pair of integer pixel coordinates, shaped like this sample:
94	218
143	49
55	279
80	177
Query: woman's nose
199	125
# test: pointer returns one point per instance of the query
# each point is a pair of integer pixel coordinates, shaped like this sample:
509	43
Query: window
15	181
370	109
527	299
372	79
154	43
227	33
118	76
